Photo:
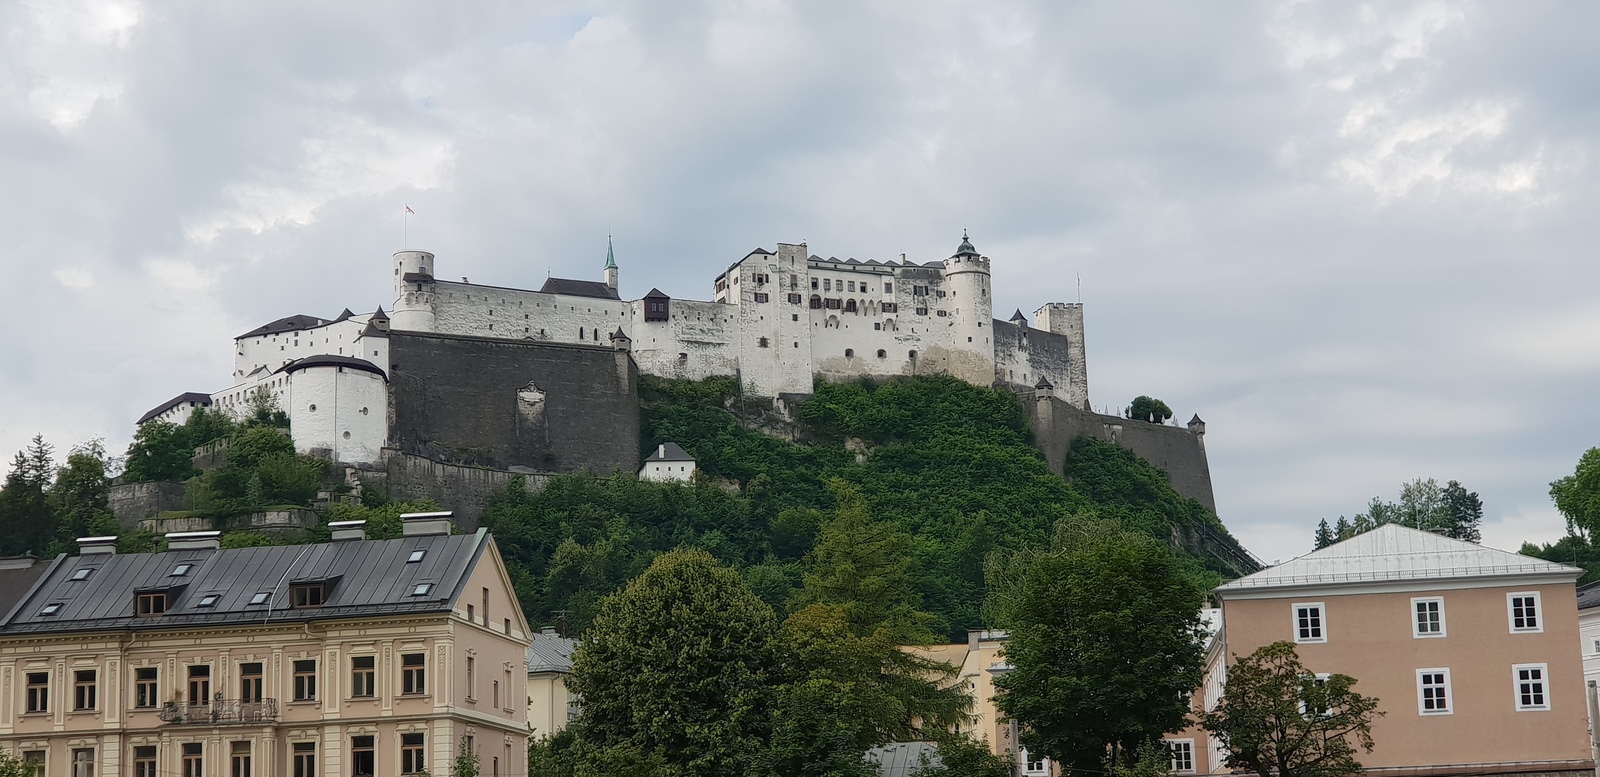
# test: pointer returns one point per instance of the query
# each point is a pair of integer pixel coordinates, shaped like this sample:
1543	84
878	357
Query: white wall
275	350
491	311
662	471
338	411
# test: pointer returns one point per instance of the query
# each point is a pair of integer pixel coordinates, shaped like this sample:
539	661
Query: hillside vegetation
948	466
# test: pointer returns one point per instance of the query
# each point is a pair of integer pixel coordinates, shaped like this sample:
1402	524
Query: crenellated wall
1178	451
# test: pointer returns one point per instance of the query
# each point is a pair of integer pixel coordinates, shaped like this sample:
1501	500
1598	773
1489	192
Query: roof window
305	595
261	597
51	608
181	570
209	600
416	555
421	589
83	574
149	604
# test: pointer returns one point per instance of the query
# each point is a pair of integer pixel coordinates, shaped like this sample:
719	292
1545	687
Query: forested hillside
949	466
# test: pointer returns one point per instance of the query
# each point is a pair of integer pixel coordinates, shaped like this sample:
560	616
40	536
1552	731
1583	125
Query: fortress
415	376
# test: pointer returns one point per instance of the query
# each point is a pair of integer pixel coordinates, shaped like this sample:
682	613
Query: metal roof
669	451
331	360
900	759
203	400
17	576
1393	553
550	652
285	324
1589	596
362	577
574	288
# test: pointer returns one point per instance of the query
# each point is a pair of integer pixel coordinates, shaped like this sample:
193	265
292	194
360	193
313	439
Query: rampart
1178	451
466	489
133	502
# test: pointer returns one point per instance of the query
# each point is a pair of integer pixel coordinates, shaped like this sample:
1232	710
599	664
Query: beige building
980	662
349	657
1471	652
551	707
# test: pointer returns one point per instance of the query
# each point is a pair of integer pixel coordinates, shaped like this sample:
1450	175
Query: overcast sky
1358	240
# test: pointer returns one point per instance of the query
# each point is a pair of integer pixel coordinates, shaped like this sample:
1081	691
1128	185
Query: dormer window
181	570
416	555
261	597
82	574
209	600
150	604
51	608
305	595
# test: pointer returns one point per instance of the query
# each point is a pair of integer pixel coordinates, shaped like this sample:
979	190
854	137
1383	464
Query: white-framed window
1033	767
1310	622
1523	609
1434	696
1530	683
1427	617
1597	647
1317	680
1182	752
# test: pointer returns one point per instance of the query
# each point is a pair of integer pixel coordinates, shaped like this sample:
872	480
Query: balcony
221	711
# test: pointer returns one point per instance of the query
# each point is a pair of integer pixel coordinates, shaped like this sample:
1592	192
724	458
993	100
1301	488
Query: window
146	605
1308	623
472	679
816	302
911	354
827	284
83	762
882	353
761	296
1182	751
38	691
363	676
496	697
361	756
919	291
413	673
1530	686
305	759
1433	692
1427	617
199	684
411	754
794	299
83	689
1524	609
181	570
209	600
250	682
1311	686
305	680
922	311
144	761
422	589
261	597
472	614
82	574
486	608
193	760
762	343
891	307
305	595
849	353
145	692
416	555
850	305
813	284
240	758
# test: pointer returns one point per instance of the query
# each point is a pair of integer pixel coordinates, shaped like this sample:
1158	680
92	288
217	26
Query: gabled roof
669	451
1588	596
655	293
572	288
379	315
285	324
762	251
368	577
187	396
550	652
1394	554
343	315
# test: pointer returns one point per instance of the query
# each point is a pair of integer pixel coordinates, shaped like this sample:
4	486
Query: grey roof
364	577
187	396
900	759
572	288
965	249
1589	596
331	360
379	315
285	324
343	315
17	576
761	251
416	277
669	451
655	293
550	652
1017	316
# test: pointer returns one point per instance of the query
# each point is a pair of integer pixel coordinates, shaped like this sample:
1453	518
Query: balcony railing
221	711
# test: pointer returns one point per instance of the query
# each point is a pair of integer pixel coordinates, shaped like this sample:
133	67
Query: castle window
969	339
813	284
794	299
941	292
942	314
888	288
761	297
882	353
832	304
827	284
816	302
762	343
922	311
794	281
852	285
890	307
876	327
580	333
850	305
849	353
794	317
919	291
911	354
683	358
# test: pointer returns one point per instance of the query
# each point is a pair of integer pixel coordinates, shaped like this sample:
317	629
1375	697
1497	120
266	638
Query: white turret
971	335
414	296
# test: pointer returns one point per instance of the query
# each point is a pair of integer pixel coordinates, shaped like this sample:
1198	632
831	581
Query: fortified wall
1178	451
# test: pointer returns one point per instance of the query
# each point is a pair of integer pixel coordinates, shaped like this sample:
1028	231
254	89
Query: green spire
611	258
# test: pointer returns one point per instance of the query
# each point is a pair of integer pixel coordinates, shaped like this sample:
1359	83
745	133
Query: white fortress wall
698	340
775	348
338	411
275	349
493	311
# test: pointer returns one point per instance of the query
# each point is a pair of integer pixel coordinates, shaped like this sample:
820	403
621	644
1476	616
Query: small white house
669	462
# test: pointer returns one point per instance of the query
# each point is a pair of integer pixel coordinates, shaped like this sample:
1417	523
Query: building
980	663
176	410
347	657
551	707
776	320
1469	650
669	461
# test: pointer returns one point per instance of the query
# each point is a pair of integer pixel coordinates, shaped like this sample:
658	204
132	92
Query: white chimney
427	524
348	530
194	540
90	546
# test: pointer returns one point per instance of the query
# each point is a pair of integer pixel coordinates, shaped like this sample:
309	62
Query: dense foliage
1105	643
44	508
1149	409
946	465
1263	723
1449	510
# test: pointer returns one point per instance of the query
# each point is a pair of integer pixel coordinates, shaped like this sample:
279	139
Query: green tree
465	763
1343	529
80	496
160	451
963	756
27	522
262	409
1149	409
1577	496
1105	643
12	765
1278	719
1465	510
682	661
1324	536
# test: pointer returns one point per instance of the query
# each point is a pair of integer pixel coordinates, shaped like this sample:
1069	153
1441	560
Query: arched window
580	333
882	353
849	353
912	354
816	302
850	305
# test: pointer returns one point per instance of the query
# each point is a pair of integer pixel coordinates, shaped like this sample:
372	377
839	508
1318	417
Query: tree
12	765
1465	510
681	661
81	494
1105	643
1577	496
1324	536
1277	718
27	524
466	761
1149	409
160	451
963	756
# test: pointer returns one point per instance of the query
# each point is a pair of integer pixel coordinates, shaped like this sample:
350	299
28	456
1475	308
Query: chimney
92	546
972	638
427	524
348	530
661	450
194	540
548	631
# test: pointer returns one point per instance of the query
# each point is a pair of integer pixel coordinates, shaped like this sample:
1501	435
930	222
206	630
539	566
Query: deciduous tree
1577	496
1149	409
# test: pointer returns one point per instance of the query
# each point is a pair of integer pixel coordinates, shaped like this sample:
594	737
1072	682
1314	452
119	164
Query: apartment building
1472	652
344	658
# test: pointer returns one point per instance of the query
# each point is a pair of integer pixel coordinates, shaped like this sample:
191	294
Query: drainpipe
1594	718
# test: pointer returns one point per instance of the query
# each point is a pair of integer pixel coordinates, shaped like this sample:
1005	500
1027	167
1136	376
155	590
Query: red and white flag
410	211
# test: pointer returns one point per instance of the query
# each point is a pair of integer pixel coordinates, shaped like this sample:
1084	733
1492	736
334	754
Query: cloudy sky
1357	239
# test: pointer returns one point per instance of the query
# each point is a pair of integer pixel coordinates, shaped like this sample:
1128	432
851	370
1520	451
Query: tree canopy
1149	409
1449	510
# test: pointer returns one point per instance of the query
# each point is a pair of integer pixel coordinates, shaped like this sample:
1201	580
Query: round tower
966	277
414	295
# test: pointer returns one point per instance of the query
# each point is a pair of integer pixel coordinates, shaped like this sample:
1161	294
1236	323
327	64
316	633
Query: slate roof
17	575
572	288
669	451
286	324
366	578
550	652
1589	596
1392	553
187	396
656	293
900	759
331	360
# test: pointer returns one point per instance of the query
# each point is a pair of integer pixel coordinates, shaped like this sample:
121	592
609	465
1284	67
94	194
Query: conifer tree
1324	536
27	524
1465	510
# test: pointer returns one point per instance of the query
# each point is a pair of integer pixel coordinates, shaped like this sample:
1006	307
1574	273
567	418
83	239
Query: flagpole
405	228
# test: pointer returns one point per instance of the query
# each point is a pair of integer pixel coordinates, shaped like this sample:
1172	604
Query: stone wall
134	502
506	404
465	489
266	521
1178	451
1023	355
